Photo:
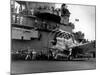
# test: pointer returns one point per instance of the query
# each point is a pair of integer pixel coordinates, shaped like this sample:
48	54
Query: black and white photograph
52	37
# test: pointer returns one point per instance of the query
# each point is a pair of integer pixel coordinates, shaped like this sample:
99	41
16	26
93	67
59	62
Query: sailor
28	54
65	14
64	10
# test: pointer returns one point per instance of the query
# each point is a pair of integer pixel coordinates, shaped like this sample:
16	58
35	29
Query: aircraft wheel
70	58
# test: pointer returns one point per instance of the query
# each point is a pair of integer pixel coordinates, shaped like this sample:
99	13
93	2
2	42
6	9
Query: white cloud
86	16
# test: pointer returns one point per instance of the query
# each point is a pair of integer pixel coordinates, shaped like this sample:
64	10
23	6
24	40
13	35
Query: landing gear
70	58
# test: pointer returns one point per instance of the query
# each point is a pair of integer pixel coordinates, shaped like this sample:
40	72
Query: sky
86	16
